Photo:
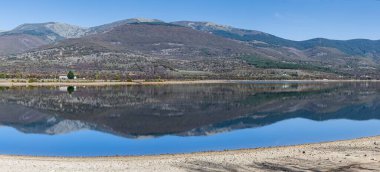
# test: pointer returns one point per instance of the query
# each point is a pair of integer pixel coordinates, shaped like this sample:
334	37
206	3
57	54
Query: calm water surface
141	120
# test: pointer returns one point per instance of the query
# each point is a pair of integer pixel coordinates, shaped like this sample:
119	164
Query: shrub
31	80
3	75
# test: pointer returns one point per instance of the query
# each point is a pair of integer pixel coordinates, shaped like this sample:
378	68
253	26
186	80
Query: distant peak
216	25
51	30
35	24
204	25
58	24
144	20
66	30
38	25
109	26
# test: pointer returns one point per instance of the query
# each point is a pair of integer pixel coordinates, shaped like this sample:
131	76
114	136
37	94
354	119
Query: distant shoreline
355	155
9	83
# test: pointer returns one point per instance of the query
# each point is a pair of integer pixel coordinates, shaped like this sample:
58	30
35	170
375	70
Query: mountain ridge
194	47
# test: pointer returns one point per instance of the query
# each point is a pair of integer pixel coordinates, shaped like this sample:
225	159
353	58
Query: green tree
3	75
97	75
18	75
31	80
117	77
70	75
129	80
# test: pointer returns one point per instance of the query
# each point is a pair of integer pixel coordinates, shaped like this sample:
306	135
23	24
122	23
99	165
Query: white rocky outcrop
66	30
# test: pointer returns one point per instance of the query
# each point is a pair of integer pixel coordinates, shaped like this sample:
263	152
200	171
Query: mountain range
151	48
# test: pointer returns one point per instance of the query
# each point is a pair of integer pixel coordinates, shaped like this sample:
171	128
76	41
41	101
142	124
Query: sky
291	19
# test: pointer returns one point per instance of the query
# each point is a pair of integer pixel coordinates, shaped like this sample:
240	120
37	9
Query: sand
352	155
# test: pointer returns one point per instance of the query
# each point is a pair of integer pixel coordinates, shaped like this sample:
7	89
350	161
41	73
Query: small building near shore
63	77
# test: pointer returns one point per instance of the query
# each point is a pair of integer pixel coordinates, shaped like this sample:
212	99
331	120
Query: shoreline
9	83
353	155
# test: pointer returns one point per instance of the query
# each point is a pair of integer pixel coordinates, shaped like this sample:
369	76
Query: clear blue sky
292	19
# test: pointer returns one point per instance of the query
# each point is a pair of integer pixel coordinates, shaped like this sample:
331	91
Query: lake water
142	120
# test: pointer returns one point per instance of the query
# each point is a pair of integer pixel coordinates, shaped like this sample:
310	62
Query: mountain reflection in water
184	110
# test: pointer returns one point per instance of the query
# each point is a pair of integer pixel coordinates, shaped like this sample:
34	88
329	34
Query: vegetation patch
271	64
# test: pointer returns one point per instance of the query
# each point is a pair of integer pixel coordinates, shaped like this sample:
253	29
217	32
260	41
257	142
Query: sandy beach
351	155
9	83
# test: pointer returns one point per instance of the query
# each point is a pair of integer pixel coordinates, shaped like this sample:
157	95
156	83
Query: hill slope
29	36
159	39
361	47
146	50
150	48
